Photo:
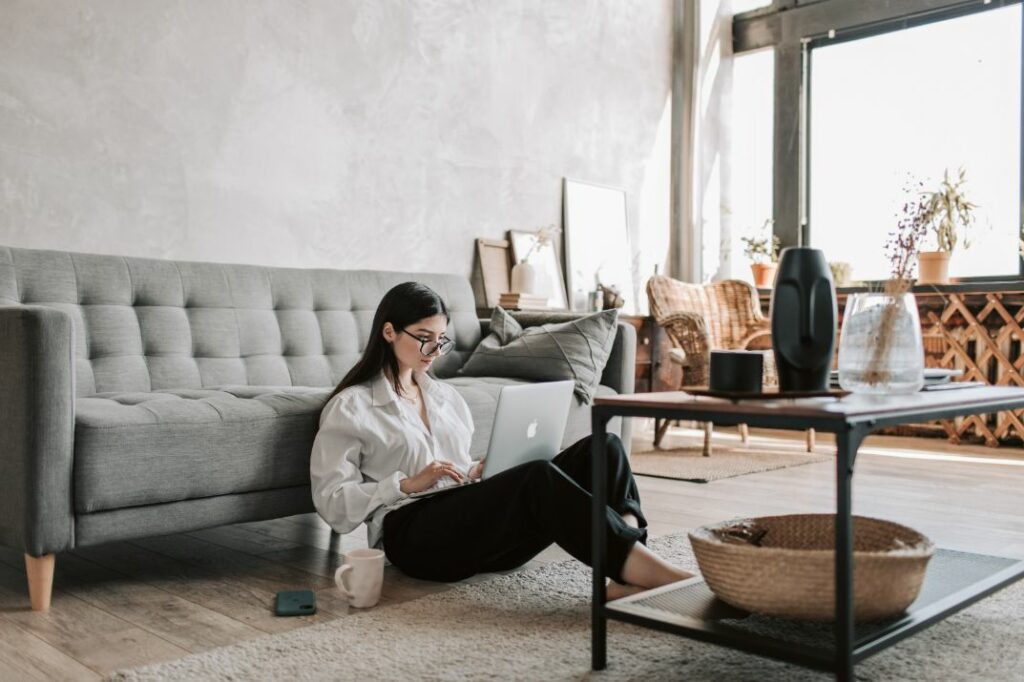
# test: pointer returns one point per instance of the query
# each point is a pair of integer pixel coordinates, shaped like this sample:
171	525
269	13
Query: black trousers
506	520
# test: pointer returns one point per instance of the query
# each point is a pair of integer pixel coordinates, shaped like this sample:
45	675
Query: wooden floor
128	604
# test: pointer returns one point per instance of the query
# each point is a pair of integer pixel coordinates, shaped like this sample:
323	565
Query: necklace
415	399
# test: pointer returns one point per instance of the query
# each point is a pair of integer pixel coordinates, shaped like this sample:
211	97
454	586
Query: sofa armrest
37	423
620	370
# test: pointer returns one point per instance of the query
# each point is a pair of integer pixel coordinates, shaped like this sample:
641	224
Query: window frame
793	28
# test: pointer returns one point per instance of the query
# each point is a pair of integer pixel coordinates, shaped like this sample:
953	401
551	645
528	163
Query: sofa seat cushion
136	449
481	394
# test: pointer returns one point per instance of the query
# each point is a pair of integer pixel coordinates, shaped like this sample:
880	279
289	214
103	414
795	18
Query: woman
389	430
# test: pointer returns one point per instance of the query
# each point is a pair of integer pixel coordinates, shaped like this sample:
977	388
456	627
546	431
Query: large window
907	105
750	146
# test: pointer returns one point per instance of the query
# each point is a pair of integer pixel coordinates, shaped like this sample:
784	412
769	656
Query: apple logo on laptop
531	430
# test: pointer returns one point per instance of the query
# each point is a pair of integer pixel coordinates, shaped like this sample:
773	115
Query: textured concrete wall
377	134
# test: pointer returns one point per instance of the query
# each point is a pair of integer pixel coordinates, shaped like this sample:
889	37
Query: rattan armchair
699	318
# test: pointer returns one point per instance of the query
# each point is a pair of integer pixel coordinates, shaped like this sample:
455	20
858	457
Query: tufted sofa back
146	325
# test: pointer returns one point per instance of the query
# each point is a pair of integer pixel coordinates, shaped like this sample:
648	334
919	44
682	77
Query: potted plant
763	254
948	212
840	272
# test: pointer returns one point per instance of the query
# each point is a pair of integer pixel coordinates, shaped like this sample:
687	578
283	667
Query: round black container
804	315
737	371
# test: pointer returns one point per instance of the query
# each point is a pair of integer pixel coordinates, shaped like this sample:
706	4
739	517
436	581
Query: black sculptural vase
803	312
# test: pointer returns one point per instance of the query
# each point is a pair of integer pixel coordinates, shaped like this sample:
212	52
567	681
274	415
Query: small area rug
728	459
535	625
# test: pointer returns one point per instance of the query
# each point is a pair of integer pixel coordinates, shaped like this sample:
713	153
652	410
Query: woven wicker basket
783	565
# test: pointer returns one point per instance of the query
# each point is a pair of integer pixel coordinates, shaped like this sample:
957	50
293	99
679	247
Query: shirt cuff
390	488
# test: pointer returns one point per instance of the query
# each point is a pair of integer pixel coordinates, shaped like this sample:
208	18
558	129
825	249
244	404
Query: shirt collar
431	388
384	393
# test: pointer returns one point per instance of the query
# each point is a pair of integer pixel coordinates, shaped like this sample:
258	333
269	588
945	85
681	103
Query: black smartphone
295	603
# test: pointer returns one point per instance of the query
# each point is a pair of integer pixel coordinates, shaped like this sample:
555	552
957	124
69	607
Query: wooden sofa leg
744	434
708	430
40	580
810	440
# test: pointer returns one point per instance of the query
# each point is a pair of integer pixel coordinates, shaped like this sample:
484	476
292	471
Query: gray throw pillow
577	350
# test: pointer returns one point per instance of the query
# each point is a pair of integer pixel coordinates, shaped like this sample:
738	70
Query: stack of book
516	301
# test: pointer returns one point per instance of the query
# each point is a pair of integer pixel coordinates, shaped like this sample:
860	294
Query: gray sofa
141	397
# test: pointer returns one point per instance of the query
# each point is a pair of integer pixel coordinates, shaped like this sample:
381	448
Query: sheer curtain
733	143
714	159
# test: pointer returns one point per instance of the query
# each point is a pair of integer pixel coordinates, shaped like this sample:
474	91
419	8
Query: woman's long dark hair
404	304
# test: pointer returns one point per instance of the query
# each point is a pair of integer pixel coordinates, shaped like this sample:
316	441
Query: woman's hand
429	476
477	470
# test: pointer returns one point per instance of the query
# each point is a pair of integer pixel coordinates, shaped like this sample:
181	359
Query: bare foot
616	590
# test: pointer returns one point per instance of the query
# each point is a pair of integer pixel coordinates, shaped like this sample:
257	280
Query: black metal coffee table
954	580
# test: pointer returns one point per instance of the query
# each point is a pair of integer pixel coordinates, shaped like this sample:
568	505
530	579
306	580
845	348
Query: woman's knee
612	442
615	450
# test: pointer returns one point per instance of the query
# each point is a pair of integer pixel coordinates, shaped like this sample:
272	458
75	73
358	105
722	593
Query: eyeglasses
442	346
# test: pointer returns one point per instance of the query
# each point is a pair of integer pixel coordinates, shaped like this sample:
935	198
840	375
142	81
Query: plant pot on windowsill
933	267
764	274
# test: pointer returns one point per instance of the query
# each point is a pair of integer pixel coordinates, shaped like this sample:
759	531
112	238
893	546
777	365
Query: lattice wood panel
985	341
979	329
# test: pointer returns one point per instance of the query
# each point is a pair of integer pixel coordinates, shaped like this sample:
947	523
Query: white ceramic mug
361	576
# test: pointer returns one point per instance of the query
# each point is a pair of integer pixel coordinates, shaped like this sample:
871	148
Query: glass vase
880	347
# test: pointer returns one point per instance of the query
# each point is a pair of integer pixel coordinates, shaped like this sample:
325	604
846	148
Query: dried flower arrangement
540	238
905	242
901	249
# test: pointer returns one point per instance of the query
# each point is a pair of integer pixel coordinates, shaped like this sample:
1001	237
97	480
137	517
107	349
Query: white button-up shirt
370	439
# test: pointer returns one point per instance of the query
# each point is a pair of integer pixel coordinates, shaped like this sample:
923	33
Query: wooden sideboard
975	327
654	370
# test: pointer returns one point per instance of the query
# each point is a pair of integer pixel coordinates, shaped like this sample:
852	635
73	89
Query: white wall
375	134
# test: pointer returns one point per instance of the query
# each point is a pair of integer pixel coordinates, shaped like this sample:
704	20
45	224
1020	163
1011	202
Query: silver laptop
528	424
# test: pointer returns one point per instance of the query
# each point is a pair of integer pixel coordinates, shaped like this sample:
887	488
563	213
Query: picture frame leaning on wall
495	264
597	244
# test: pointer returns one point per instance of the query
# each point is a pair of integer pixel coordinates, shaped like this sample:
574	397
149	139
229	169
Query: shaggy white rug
535	625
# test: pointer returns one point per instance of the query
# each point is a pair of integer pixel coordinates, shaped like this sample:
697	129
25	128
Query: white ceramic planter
524	278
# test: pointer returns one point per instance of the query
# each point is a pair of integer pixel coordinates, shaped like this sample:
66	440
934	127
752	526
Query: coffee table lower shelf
954	580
